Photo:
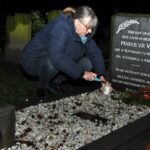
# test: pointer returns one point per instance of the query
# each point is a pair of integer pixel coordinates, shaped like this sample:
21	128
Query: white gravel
54	126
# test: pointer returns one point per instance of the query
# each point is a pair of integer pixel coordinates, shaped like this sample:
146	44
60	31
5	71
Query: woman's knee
48	69
85	63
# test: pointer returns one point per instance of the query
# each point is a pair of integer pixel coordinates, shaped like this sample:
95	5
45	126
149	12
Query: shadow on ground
71	88
20	90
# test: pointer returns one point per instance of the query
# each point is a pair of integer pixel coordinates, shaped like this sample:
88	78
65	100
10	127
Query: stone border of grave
131	136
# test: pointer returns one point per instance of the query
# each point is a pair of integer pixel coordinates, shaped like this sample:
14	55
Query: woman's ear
75	21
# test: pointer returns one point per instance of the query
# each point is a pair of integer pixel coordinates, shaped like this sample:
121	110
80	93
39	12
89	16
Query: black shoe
43	93
55	88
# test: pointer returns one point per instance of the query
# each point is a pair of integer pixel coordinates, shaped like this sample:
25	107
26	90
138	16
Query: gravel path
72	122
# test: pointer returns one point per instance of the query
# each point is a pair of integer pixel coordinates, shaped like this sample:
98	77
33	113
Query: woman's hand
105	83
103	80
89	76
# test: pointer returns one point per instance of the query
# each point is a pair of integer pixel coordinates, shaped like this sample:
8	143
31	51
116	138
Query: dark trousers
47	72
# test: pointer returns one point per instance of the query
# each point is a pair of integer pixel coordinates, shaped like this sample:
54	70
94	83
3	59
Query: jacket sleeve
58	39
95	55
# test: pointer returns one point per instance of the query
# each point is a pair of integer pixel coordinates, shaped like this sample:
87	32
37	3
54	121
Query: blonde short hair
69	11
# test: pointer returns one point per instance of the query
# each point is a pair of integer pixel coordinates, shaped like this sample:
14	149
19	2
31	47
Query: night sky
139	6
104	10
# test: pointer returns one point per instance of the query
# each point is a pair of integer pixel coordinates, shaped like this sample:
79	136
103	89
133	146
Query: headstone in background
18	33
130	51
53	14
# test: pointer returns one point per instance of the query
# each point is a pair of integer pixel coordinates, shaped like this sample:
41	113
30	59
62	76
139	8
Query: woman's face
82	27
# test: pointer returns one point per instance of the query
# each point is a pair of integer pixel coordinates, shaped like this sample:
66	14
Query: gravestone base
7	125
134	136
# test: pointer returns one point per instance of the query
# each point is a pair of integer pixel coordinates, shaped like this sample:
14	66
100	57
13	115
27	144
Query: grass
17	89
14	86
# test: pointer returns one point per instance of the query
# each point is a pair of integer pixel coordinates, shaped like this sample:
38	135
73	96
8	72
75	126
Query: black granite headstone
130	51
7	125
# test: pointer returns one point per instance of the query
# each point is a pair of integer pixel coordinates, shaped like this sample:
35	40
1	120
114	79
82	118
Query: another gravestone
130	51
18	33
7	125
53	14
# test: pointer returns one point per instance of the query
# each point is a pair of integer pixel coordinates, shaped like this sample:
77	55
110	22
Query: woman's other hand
89	76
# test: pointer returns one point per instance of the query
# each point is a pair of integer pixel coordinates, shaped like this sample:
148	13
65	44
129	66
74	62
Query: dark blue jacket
59	42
